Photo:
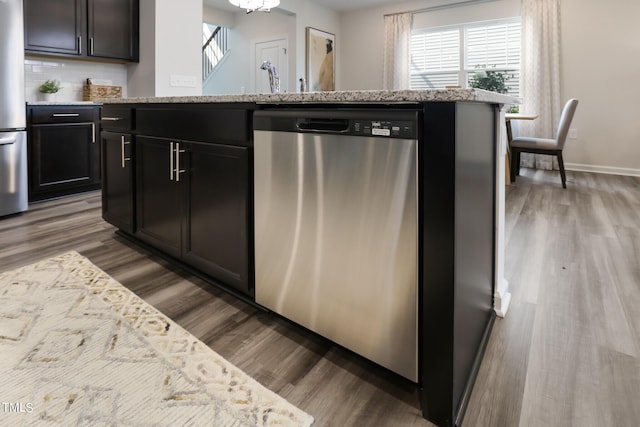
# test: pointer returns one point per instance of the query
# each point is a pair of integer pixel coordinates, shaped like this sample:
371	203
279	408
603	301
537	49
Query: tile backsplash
71	74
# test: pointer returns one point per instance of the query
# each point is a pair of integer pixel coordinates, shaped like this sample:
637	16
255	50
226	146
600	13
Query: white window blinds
435	51
493	46
449	56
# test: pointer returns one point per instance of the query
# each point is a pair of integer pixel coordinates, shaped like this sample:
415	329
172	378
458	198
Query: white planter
48	97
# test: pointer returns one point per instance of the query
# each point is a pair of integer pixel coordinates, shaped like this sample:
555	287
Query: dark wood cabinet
100	29
187	189
159	196
112	29
117	180
54	26
118	167
64	154
193	204
216	233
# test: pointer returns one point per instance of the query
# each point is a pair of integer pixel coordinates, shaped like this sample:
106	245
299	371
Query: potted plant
49	88
489	80
494	81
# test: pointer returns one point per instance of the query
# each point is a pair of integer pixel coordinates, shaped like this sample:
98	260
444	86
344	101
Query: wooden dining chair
544	145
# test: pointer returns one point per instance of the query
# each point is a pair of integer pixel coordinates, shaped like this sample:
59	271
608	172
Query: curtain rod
442	6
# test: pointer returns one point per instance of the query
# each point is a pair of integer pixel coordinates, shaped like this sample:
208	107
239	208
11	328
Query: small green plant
50	86
494	81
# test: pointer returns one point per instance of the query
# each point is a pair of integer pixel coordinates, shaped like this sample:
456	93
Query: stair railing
214	48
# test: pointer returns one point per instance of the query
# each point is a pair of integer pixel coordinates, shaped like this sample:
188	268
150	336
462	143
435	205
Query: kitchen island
178	177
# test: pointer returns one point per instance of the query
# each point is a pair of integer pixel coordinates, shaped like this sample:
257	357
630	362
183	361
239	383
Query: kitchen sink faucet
274	79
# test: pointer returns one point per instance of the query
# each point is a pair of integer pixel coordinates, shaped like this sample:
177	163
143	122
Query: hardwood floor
567	354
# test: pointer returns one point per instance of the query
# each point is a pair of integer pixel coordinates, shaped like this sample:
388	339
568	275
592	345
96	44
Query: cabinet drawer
196	123
117	118
62	114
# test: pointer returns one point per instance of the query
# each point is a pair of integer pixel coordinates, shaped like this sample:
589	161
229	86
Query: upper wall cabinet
54	26
88	29
113	29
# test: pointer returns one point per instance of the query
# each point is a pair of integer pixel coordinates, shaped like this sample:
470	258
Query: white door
274	51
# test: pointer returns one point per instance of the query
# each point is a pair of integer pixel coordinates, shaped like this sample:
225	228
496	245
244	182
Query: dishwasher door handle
323	125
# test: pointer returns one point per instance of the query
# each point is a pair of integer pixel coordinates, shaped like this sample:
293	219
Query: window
449	56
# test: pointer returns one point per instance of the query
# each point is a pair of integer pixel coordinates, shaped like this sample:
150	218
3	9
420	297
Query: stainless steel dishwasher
336	227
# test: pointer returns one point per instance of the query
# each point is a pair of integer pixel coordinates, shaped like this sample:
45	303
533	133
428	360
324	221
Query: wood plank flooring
567	354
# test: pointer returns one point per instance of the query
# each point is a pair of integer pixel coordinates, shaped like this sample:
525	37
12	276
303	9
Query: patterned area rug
78	348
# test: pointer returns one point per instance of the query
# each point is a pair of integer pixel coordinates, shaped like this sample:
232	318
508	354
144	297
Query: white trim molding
501	295
610	170
501	298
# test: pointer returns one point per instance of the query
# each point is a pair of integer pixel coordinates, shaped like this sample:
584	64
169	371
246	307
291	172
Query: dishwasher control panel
371	123
394	129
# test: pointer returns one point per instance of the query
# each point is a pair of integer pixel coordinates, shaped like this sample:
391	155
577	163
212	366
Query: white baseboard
601	169
502	298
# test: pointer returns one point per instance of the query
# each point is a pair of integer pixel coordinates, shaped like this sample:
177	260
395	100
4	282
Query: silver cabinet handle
79	45
93	133
122	144
171	168
178	170
65	115
90	45
112	119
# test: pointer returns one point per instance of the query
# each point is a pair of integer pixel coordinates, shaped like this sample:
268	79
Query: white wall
295	15
600	64
217	16
309	14
361	58
142	76
472	13
237	73
170	44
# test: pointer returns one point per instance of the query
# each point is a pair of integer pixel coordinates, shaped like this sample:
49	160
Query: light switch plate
573	134
182	81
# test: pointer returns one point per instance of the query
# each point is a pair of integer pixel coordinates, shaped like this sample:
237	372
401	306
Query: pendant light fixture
255	5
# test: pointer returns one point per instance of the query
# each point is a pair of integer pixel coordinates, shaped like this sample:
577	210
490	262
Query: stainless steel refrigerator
13	134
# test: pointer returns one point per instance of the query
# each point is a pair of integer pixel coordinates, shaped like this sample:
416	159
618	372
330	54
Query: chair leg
562	173
518	163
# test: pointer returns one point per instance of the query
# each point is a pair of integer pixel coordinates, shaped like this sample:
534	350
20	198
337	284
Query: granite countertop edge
63	103
368	96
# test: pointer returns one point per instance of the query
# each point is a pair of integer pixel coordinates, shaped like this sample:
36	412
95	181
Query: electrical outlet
182	81
573	134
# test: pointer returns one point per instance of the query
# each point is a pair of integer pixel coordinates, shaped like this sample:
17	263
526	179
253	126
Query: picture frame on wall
320	60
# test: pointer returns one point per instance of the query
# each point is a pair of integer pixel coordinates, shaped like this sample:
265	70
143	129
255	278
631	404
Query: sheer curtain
397	40
540	75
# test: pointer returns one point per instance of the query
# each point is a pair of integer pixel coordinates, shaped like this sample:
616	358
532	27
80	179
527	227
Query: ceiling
337	5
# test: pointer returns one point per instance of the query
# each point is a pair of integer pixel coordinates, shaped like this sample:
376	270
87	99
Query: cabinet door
117	180
54	26
159	196
216	238
62	158
113	29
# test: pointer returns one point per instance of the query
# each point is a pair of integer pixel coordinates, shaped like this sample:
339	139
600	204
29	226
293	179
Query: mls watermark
17	407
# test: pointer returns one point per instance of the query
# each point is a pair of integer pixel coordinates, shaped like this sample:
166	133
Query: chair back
565	121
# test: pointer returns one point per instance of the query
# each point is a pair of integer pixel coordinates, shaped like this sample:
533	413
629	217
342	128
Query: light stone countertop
337	97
